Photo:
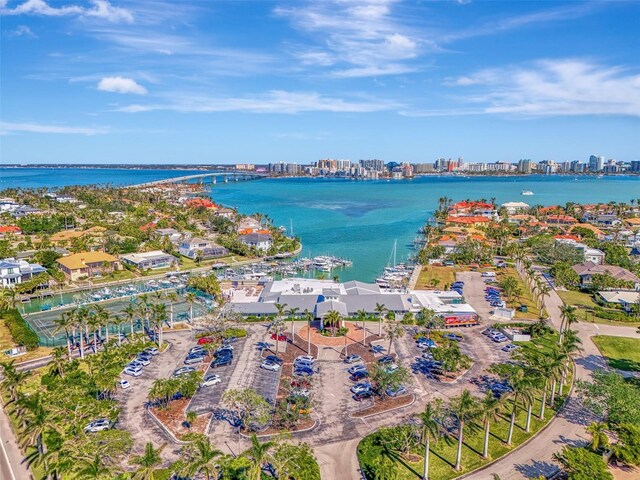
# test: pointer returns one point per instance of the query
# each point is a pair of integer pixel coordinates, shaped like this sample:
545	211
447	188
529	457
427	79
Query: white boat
526	192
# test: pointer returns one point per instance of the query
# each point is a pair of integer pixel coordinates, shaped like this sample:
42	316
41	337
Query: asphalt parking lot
208	399
133	417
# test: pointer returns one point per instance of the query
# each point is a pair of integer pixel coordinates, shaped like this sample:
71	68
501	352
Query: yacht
526	192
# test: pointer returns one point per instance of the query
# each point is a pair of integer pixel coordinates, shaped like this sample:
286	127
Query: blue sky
123	81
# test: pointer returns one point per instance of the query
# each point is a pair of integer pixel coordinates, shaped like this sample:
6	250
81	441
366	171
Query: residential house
620	297
226	213
602	220
172	234
24	210
586	271
9	230
198	247
150	260
261	241
475	221
592	255
599	234
515	207
13	272
561	219
88	264
249	223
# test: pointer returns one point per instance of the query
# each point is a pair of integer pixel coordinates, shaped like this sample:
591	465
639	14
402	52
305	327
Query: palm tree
94	468
543	292
361	315
258	454
200	458
557	360
520	391
130	313
393	330
58	360
309	317
292	314
12	380
118	320
148	462
37	419
102	315
81	316
464	407
490	408
159	317
430	428
569	347
7	298
380	309
172	297
599	437
277	327
65	323
568	316
333	319
144	309
94	323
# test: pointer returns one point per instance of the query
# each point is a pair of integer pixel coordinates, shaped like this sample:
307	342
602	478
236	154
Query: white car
210	380
97	426
152	350
142	360
134	372
182	371
272	367
305	359
124	384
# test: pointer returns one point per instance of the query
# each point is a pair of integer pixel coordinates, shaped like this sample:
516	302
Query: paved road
11	467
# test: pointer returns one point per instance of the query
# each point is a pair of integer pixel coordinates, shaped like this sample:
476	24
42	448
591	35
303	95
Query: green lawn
444	275
621	352
571	297
532	312
114	277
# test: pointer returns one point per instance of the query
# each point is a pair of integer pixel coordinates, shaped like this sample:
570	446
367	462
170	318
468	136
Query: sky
164	81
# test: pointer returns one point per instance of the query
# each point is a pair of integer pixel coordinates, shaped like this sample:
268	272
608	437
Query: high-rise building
635	166
596	163
524	166
373	164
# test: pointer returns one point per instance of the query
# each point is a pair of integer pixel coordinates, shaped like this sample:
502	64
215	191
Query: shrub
234	332
20	331
612	315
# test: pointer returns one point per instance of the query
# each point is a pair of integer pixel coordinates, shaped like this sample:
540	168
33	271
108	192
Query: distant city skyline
123	81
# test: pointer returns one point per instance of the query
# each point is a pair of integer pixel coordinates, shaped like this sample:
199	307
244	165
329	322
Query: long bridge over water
225	176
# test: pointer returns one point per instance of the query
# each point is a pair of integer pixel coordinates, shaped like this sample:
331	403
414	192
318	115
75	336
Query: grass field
6	342
620	352
571	297
444	275
585	304
114	277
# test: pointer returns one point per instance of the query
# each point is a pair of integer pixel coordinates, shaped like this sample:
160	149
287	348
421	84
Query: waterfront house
150	260
248	223
515	207
226	213
13	272
199	202
198	247
173	235
586	271
88	264
475	221
261	241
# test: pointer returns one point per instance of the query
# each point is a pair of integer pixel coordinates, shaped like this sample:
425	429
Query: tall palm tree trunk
544	400
485	446
512	423
459	452
380	326
527	427
552	400
425	471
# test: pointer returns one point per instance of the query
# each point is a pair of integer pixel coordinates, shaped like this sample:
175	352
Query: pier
223	177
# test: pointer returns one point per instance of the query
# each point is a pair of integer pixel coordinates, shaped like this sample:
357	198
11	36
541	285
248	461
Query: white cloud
361	37
21	31
275	101
121	85
7	128
567	87
100	9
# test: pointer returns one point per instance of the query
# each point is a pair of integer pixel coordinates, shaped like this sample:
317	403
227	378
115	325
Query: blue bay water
359	220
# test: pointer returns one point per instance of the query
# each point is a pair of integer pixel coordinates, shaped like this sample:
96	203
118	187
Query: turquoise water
359	220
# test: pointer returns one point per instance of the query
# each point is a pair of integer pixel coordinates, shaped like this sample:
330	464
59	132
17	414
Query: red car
281	338
205	340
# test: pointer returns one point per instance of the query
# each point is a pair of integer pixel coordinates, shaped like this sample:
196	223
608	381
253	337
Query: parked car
191	359
152	350
182	371
221	361
210	380
302	364
361	396
426	343
223	352
273	359
360	387
205	340
303	372
396	392
272	367
305	358
357	368
488	274
359	375
134	372
489	331
197	349
510	348
144	361
124	384
300	392
386	359
280	338
453	336
228	340
352	358
499	338
457	284
98	425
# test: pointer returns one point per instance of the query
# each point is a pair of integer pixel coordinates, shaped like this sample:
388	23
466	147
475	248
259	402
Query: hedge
20	331
615	316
